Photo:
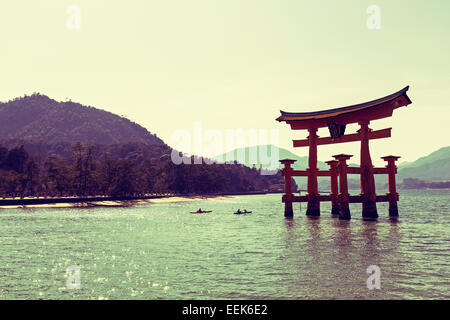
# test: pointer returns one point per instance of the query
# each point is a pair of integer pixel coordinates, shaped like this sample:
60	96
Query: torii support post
313	190
287	172
334	187
369	204
343	196
392	189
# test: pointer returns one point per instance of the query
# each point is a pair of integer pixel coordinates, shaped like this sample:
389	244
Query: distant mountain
433	167
403	164
41	119
251	156
242	155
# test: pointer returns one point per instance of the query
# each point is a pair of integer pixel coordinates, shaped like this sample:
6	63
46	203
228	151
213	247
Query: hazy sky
235	63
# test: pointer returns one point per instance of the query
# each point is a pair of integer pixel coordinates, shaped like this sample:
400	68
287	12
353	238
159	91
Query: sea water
162	251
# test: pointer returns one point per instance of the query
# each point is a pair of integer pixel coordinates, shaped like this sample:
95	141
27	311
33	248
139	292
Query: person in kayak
238	211
199	210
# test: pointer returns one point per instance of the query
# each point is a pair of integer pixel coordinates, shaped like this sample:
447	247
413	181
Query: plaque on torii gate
336	121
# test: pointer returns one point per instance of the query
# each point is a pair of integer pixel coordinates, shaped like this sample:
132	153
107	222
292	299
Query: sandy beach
118	203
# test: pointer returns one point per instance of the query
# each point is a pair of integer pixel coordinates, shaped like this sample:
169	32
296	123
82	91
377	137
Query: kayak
201	212
243	212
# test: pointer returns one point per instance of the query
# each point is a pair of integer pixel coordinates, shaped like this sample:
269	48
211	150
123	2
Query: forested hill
39	118
50	148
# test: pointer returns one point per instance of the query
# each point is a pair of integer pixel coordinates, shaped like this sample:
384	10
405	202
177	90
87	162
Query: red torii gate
336	120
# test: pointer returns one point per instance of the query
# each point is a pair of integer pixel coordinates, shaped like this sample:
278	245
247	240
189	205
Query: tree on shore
124	181
56	179
127	170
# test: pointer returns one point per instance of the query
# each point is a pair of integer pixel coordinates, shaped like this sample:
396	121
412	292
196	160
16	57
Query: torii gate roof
372	110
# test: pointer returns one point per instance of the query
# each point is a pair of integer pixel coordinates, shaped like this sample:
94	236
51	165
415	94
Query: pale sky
235	63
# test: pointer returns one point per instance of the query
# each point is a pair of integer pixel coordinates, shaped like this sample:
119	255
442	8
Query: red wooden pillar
369	204
334	186
392	189
313	190
288	196
343	196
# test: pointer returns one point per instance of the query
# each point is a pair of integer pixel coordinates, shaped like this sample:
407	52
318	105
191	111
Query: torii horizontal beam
327	173
378	134
352	199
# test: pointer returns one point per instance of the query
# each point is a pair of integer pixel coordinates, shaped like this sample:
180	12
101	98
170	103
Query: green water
161	251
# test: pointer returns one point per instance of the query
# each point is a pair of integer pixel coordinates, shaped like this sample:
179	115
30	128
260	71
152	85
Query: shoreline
107	201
